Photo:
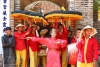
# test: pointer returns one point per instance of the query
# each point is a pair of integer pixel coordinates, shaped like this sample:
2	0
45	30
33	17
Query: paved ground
41	66
0	60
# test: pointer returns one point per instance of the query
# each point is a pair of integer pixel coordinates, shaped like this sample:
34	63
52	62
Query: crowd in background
34	48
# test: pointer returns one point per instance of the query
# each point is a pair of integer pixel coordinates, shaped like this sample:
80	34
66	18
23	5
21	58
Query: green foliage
96	4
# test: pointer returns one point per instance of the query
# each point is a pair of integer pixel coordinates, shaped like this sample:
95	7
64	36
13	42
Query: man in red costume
20	46
73	53
33	46
54	45
76	36
63	34
88	48
99	55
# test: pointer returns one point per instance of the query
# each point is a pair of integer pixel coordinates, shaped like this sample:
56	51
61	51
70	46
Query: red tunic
92	50
64	36
53	55
73	40
33	45
20	40
98	50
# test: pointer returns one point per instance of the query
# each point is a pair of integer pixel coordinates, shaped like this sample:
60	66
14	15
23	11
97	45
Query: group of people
28	45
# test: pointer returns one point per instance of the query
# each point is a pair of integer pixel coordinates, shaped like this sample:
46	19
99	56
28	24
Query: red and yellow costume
87	52
33	50
53	55
63	35
20	47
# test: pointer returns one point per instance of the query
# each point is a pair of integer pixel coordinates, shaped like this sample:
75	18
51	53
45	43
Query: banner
4	18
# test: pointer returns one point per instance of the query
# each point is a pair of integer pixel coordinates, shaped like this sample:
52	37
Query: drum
72	54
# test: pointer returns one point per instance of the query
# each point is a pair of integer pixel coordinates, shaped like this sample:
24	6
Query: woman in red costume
54	45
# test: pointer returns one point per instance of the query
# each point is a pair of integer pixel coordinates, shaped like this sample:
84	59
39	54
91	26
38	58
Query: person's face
20	28
78	33
61	28
53	34
88	32
34	28
8	32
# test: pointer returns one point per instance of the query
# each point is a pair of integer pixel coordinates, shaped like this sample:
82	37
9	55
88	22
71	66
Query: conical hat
19	25
36	26
94	31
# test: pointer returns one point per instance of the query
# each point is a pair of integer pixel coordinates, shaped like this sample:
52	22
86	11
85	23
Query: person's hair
60	25
53	30
78	29
70	31
7	28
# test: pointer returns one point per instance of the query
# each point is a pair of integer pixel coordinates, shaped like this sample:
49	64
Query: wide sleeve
63	43
43	41
65	31
28	30
79	44
95	49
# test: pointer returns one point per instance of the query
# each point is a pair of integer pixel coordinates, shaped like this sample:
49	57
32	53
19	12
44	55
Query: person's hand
28	38
94	63
30	23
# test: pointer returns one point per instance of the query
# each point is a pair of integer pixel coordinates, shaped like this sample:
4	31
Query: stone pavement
0	60
42	66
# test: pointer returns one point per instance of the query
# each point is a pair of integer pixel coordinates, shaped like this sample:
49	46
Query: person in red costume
33	46
73	53
63	34
99	50
76	36
98	55
20	46
54	45
88	48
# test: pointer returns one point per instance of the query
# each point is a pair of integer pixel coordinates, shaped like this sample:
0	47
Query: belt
54	50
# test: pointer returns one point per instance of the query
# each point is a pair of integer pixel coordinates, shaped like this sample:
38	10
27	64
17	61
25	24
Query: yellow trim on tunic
80	64
85	49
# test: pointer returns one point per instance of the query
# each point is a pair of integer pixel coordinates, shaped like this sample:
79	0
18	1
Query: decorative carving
46	6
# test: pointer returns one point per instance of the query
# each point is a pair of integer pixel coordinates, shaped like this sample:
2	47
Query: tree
96	5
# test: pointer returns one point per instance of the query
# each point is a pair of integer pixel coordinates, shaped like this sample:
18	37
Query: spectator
8	44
